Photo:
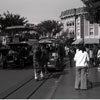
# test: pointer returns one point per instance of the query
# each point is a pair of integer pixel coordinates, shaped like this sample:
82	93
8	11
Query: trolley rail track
27	88
23	90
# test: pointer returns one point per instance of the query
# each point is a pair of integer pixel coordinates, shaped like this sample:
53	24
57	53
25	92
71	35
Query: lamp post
83	31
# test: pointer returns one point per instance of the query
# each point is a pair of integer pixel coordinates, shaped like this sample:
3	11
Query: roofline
75	13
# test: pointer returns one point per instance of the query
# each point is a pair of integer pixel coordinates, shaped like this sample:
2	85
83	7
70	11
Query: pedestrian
71	54
66	50
37	64
91	56
44	60
98	58
81	58
95	50
61	51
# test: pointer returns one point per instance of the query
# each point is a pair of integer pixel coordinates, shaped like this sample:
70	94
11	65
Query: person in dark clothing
71	54
44	59
61	51
95	50
37	67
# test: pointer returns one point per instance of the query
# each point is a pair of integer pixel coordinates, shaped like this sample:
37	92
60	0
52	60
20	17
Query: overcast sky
38	10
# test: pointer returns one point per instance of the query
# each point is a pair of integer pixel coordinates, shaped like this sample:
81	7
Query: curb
50	96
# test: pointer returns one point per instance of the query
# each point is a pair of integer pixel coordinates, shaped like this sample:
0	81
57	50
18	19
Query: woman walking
81	58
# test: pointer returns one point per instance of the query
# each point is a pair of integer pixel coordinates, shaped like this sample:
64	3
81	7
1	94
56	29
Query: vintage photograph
49	49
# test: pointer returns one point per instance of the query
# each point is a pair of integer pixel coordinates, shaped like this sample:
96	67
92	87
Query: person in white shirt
98	58
81	58
66	50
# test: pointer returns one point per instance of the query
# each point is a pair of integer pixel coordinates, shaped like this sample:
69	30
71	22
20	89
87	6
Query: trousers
81	78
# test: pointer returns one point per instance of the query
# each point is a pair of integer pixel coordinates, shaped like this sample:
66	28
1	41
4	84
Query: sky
38	10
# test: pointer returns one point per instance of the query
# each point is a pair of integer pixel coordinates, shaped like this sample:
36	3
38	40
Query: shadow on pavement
56	74
65	72
95	84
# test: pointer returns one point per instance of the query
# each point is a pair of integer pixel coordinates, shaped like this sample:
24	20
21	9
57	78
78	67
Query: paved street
60	85
10	77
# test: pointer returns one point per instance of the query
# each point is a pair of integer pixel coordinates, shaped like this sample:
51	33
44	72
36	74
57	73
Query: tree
50	27
93	9
8	19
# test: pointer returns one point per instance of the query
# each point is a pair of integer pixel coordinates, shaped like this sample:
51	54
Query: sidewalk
65	88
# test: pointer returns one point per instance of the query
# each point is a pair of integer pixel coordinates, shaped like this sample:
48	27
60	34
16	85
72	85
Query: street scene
50	57
58	85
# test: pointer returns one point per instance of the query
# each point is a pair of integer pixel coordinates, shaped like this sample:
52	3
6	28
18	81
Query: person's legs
36	71
83	78
71	61
42	69
95	61
46	68
78	78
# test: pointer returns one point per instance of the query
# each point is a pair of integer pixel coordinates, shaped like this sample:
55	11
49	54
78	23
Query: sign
33	42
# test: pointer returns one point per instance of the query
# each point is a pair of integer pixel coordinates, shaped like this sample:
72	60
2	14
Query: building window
91	31
73	23
91	22
78	21
91	25
67	24
73	32
78	32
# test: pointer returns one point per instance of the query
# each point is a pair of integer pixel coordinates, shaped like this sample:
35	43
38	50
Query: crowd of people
85	58
93	52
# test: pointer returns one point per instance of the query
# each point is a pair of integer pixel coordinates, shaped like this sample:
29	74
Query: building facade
75	22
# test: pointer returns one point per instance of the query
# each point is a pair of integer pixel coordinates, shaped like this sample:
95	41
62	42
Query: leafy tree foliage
50	27
93	9
8	19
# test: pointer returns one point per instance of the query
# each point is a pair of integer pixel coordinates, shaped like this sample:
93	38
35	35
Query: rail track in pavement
25	89
29	88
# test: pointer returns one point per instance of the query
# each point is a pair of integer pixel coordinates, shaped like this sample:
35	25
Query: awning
91	41
15	27
19	28
45	41
78	41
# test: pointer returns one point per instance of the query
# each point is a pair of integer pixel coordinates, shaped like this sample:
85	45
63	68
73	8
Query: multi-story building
76	24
